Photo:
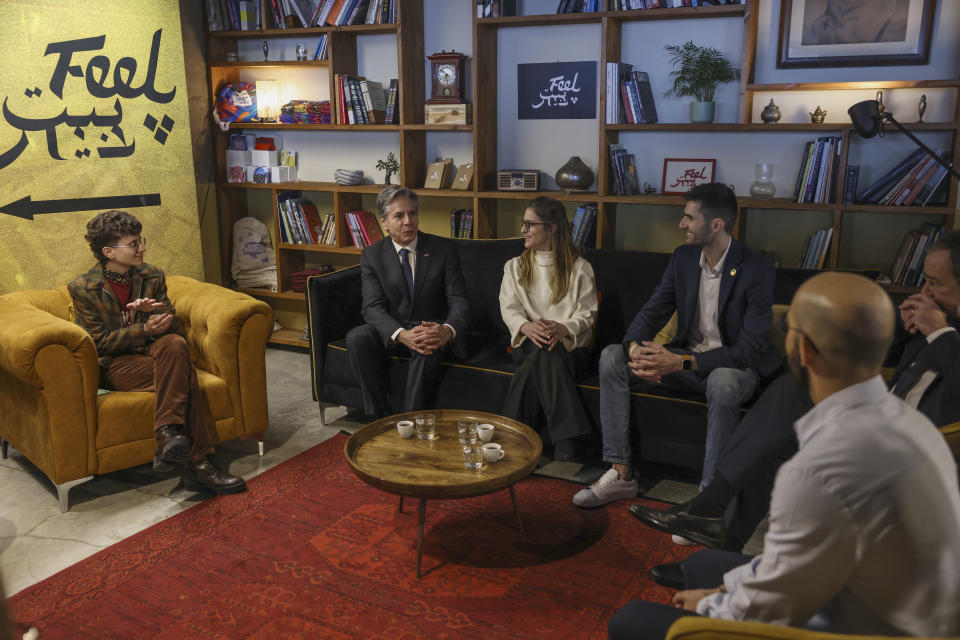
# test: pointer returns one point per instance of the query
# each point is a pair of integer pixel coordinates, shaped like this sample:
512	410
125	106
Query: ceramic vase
702	112
575	175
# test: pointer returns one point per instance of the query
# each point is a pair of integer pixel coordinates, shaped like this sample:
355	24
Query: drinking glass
467	428
472	456
426	426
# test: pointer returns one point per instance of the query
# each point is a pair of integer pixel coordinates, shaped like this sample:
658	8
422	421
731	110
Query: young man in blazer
414	303
927	377
723	295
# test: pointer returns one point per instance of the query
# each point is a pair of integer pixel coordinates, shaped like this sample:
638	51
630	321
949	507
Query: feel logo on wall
93	116
557	90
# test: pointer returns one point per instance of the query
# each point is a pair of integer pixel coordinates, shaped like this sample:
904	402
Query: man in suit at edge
414	303
927	377
723	295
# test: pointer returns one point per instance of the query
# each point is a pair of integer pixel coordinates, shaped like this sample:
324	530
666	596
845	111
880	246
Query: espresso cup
405	428
485	432
492	451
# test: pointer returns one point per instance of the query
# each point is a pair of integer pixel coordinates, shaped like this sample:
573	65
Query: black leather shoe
172	448
669	575
565	451
203	475
677	521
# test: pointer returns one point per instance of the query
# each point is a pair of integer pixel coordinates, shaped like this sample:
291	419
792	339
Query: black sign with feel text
557	90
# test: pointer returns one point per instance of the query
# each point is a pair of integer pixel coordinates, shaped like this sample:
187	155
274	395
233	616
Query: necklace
114	276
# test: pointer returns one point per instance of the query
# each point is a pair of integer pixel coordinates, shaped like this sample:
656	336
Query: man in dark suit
927	377
723	295
414	303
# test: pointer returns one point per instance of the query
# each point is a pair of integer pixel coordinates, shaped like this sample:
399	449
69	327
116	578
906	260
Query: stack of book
623	171
298	219
629	96
362	101
461	223
364	228
583	222
341	13
817	177
907	268
298	279
233	15
578	6
322	51
815	253
916	180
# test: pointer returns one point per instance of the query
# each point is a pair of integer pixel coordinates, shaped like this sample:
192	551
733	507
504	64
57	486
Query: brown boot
172	448
203	475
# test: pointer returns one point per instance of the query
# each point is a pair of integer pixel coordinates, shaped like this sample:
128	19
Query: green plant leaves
698	71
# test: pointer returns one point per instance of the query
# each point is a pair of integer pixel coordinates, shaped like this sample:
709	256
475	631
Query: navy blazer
439	294
941	400
745	309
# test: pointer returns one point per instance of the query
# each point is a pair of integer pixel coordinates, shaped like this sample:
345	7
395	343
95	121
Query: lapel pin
733	272
426	255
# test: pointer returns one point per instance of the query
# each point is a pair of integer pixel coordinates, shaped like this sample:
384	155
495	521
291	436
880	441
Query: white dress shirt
576	311
864	526
705	333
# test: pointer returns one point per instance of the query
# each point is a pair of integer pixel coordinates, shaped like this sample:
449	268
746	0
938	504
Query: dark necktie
407	271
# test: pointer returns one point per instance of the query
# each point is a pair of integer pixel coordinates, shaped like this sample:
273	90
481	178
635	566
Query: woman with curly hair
548	300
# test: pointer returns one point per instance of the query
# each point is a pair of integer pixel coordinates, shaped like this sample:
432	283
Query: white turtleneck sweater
576	311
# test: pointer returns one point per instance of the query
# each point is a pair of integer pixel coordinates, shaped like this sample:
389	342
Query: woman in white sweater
548	300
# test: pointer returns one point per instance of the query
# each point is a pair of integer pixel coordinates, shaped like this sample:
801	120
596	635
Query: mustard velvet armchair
50	409
697	628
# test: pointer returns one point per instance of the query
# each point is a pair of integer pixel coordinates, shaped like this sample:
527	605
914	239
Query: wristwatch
686	363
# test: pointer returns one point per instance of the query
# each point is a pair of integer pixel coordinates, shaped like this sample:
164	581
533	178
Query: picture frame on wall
854	33
682	174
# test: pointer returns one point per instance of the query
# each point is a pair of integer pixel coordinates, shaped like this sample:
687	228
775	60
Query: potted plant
697	72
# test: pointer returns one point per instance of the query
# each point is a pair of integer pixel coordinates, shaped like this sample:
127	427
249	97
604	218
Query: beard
798	371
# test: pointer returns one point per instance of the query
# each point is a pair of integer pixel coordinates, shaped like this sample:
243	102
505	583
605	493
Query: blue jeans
725	389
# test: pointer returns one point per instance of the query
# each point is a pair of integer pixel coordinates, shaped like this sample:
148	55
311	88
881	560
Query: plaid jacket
98	311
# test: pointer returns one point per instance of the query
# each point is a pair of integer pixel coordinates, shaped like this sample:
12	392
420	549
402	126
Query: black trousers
546	380
641	620
763	441
367	355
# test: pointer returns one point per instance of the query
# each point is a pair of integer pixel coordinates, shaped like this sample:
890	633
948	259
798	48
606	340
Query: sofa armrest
48	389
334	302
227	332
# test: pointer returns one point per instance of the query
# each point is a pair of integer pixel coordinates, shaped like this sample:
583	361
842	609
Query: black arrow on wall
26	208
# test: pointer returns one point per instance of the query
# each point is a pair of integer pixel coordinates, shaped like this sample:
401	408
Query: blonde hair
565	253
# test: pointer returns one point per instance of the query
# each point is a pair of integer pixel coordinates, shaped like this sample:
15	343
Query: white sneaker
680	540
605	490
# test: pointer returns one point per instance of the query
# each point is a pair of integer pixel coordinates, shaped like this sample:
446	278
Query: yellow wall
49	249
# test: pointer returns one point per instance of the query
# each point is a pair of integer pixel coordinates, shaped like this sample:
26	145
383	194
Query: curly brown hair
106	229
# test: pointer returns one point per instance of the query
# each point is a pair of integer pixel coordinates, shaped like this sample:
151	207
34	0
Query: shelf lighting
868	120
268	100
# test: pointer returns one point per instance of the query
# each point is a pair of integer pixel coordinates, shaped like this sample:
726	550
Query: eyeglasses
785	327
142	242
526	224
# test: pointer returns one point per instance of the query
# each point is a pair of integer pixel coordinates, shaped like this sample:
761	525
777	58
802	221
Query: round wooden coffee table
433	469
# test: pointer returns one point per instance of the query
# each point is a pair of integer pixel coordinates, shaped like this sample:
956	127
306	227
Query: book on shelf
817	176
815	251
936	189
642	93
850	184
907	267
617	72
582	225
623	171
322	51
461	223
888	179
391	115
233	15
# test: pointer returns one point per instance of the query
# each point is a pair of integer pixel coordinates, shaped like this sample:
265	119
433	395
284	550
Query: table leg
516	509
423	514
400	506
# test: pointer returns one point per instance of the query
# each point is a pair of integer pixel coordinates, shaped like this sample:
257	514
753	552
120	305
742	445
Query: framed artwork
854	33
682	174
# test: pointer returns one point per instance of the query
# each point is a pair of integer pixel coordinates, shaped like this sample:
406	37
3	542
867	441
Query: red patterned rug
310	551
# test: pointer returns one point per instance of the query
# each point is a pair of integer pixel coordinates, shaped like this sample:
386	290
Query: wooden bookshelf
412	131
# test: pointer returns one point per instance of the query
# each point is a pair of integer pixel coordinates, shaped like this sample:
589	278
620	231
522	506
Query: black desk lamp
868	120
